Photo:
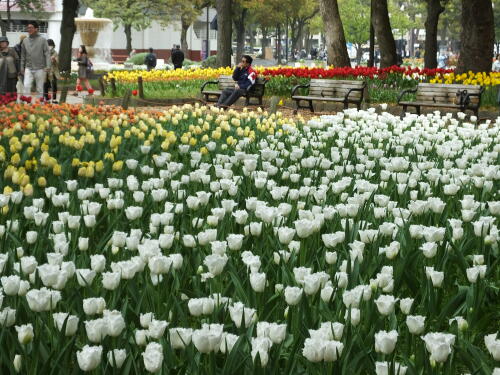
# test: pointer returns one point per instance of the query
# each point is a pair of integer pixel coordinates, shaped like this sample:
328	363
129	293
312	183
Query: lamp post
207	46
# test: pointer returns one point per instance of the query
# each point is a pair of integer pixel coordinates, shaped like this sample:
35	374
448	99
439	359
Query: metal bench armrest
407	91
208	83
478	95
361	89
295	88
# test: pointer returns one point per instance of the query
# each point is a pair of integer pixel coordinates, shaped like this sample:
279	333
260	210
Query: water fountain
96	34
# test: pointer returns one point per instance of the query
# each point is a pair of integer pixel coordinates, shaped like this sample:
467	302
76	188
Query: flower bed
199	241
384	85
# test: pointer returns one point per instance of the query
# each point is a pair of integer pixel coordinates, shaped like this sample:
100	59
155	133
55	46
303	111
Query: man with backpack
150	60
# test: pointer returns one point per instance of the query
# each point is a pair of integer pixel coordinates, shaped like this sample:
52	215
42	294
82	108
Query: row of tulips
384	84
196	240
301	72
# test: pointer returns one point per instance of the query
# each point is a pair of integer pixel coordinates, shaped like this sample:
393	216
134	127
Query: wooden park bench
330	90
226	82
461	97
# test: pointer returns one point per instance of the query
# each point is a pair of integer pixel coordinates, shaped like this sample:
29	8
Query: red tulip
91	91
134	92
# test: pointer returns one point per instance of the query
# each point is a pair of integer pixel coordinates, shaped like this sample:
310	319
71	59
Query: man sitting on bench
245	77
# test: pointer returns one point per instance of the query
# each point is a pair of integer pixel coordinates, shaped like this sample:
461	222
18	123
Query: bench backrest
226	82
335	88
444	93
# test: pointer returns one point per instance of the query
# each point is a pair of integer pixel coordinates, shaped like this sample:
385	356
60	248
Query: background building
160	38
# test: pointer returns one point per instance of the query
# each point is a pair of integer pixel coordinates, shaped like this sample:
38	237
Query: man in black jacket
244	77
177	57
150	60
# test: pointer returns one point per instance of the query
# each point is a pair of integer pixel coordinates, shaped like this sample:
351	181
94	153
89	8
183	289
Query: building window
200	30
19	26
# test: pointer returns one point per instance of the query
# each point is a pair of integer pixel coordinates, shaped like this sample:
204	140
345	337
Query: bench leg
247	101
260	101
418	110
311	106
346	105
402	115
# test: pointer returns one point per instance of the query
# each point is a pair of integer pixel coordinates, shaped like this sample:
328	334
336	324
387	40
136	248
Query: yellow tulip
42	182
99	166
117	165
56	170
15	159
89	172
28	190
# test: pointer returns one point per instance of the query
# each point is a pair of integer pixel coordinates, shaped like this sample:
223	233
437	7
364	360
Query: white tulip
157	328
116	357
382	368
7	317
258	281
385	342
93	306
180	337
415	324
385	304
89	358
71	322
293	295
439	345
492	343
25	333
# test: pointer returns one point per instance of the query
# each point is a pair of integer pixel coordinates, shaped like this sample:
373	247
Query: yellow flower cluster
470	78
96	143
167	75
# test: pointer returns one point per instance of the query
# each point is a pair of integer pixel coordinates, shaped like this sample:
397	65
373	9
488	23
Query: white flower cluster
357	220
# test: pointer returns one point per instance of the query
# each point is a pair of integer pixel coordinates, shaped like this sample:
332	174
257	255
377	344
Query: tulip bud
18	361
25	333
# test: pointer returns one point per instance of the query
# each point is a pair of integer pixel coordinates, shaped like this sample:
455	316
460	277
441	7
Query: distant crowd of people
34	62
176	56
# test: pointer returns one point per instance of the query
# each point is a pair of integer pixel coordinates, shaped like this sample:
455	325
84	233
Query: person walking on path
84	70
20	83
35	60
244	76
9	65
177	57
53	75
496	64
150	60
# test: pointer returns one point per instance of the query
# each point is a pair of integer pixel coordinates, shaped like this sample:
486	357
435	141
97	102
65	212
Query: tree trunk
184	29
252	37
383	33
240	34
68	29
224	36
359	54
5	23
335	38
296	35
128	36
434	9
265	39
478	36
